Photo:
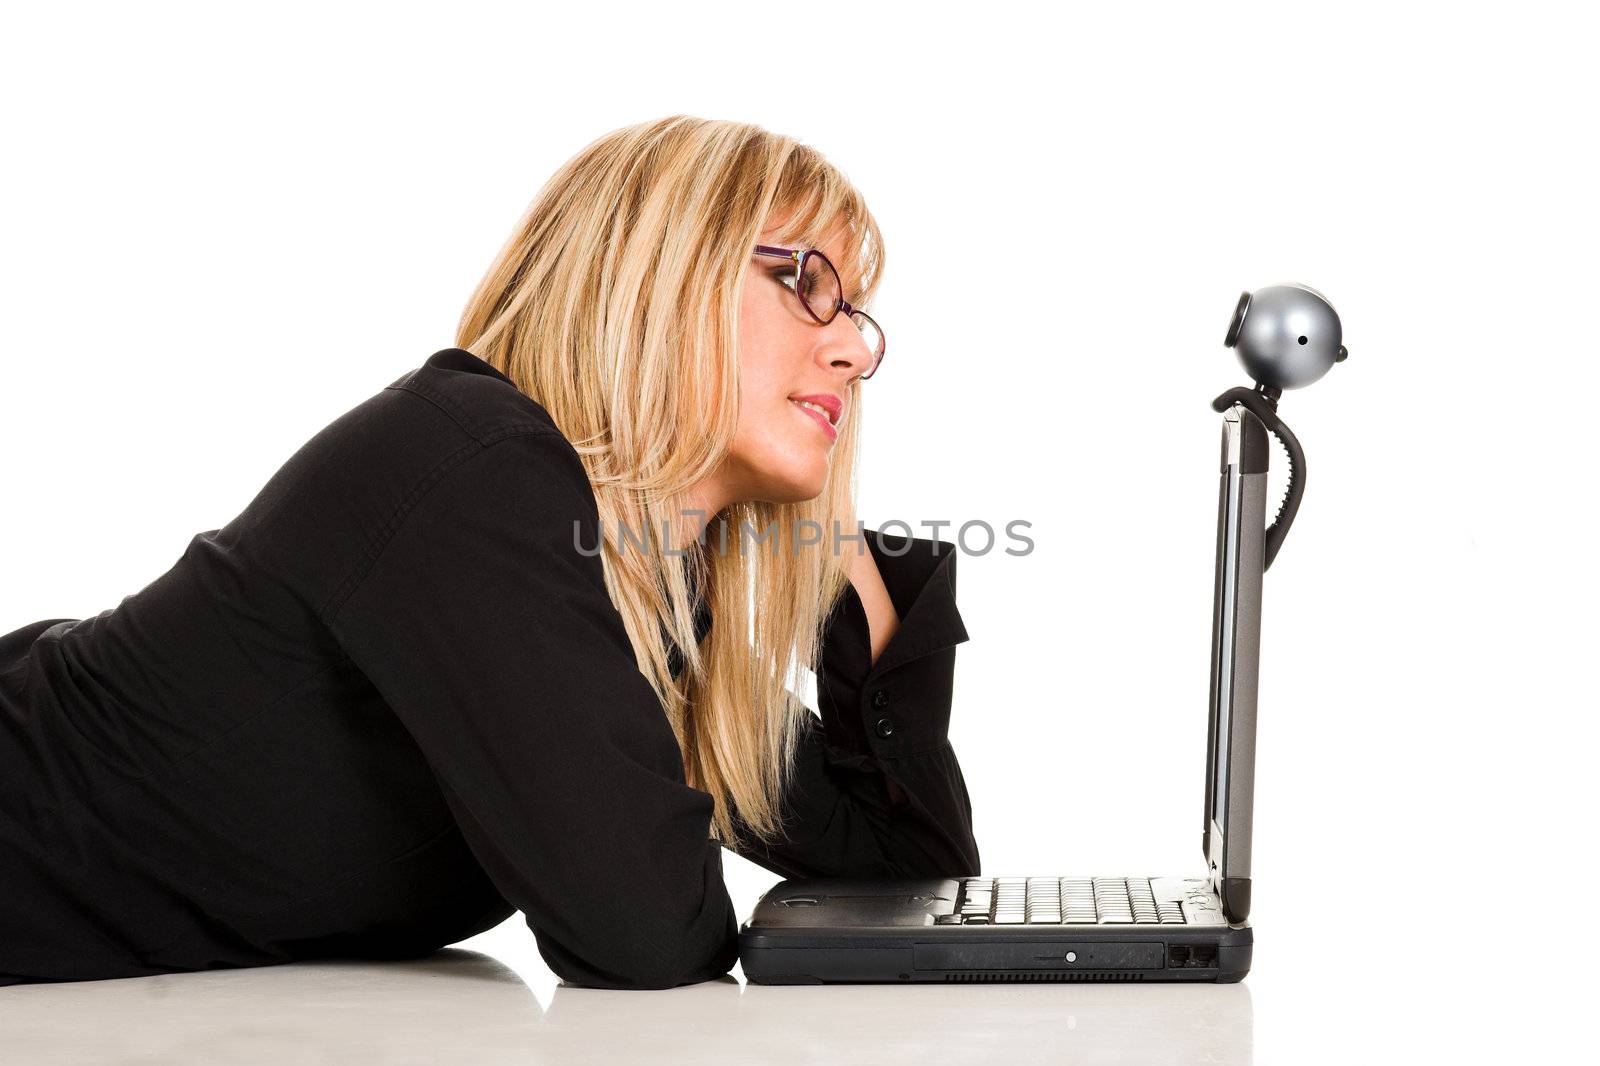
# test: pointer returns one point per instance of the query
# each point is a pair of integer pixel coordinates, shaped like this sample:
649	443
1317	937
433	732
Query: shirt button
884	727
880	699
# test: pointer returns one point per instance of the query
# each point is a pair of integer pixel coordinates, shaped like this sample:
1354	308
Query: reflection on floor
465	1007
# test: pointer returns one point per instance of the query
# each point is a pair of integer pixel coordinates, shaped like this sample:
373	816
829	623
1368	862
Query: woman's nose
844	348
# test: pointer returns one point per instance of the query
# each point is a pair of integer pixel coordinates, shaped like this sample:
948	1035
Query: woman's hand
863	569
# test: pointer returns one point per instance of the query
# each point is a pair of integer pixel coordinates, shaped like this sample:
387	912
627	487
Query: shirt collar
463	360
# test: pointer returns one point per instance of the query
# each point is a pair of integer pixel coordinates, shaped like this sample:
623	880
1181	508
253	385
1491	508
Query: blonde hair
614	305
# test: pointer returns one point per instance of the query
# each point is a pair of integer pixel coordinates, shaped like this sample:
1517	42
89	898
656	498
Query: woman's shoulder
447	430
416	429
471	394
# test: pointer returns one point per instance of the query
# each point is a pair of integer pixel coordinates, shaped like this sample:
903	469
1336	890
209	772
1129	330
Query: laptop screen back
1235	641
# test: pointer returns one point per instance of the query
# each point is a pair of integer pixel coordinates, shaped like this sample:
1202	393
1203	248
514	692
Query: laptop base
826	931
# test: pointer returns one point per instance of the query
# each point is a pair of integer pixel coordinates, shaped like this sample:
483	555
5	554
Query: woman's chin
795	488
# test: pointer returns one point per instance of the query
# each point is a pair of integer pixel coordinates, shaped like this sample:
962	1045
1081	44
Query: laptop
1117	927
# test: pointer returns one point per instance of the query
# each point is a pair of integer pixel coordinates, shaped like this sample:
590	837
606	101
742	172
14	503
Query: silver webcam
1287	336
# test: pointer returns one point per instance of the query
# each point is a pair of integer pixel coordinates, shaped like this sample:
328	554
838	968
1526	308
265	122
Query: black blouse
391	702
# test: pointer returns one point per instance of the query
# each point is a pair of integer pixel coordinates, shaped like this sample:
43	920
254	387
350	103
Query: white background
225	225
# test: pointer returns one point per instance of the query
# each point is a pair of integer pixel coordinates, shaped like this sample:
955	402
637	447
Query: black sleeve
882	724
491	635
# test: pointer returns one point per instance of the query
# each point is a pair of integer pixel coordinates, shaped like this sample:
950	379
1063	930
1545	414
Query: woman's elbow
956	859
644	963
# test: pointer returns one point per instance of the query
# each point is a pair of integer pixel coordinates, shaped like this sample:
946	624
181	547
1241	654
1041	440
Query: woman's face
781	450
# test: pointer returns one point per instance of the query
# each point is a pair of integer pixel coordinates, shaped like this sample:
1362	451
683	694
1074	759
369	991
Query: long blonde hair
614	304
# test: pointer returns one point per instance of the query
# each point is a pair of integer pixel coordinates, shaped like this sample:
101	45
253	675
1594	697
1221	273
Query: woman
456	658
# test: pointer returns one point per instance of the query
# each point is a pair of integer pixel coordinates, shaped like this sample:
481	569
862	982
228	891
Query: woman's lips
820	419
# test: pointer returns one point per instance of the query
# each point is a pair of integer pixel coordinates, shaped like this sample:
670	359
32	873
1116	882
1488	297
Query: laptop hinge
1235	898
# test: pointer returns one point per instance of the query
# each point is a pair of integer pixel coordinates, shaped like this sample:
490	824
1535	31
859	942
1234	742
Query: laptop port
1177	956
1203	955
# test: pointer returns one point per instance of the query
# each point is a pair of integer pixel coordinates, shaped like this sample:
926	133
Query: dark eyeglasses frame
803	256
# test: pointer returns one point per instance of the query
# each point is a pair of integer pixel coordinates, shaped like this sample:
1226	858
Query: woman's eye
785	279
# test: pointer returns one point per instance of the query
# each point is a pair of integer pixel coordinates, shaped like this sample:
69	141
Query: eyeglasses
817	285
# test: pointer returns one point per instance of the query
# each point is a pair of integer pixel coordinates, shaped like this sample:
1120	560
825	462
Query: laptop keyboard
1060	901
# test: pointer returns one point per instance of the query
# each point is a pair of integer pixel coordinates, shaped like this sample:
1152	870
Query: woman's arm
877	790
494	640
867	581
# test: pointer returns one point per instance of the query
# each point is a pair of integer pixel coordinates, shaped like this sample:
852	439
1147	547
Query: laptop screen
1223	637
1236	622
